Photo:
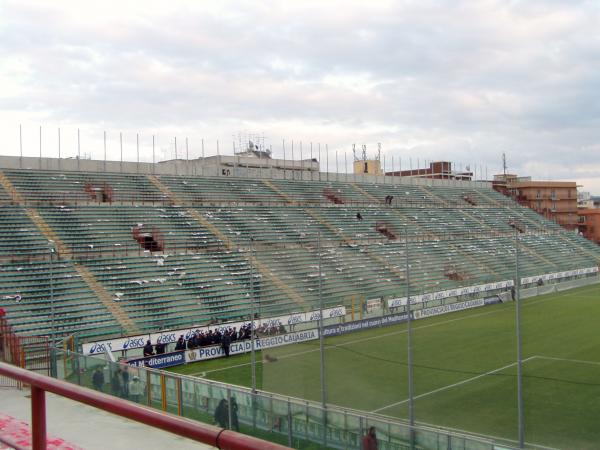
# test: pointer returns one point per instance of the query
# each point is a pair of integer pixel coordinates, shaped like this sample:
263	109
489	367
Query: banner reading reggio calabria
245	346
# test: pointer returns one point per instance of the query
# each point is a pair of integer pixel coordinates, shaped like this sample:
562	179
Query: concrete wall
225	166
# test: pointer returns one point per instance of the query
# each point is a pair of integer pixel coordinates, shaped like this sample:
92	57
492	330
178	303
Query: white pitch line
487	313
450	386
580	361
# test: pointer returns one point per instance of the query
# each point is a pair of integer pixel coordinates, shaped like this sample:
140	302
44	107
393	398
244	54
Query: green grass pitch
464	370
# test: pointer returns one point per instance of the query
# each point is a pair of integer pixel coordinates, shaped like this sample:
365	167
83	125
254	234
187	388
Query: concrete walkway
91	428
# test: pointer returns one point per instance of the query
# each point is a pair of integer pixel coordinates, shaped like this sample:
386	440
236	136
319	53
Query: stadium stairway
434	195
8	187
63	251
262	268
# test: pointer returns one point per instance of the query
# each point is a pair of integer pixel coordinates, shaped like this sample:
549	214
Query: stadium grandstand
98	255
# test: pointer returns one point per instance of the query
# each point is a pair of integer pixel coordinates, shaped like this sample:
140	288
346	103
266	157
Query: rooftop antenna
354	152
379	151
504	163
364	152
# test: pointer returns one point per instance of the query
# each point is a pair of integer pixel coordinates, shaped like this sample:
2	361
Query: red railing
200	432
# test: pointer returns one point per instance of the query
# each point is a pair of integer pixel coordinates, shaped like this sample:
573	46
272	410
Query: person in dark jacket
180	345
148	349
235	424
160	348
225	343
98	379
116	383
222	414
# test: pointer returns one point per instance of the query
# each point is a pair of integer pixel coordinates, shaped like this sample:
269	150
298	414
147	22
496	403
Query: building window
553	194
366	170
539	194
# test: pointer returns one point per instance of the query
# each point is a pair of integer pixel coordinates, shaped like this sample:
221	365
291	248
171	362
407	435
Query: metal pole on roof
293	162
311	162
218	160
105	150
301	161
284	169
153	155
137	149
20	146
202	168
322	346
337	172
121	145
319	148
327	158
59	148
383	169
411	406
40	146
78	149
346	166
520	406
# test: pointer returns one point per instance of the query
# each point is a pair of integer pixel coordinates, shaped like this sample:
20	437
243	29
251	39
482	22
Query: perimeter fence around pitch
291	421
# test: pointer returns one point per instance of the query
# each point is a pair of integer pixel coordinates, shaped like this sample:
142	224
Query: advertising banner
438	310
159	361
358	325
245	346
457	292
171	336
559	275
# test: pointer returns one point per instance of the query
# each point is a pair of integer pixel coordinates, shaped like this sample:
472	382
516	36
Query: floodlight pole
411	406
252	312
519	345
322	346
52	294
252	332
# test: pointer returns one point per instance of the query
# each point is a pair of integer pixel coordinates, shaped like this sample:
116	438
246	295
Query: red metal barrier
207	434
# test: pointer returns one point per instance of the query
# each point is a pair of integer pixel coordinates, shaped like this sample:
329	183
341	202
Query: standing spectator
136	389
125	375
369	442
222	414
358	216
225	343
148	350
116	383
235	424
180	345
159	348
98	379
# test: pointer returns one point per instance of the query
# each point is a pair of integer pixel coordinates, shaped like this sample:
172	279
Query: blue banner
159	361
365	324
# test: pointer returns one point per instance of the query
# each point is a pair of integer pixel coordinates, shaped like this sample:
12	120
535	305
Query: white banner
559	275
245	346
373	304
438	310
440	295
171	336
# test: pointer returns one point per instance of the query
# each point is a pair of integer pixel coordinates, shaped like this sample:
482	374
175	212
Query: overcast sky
453	80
